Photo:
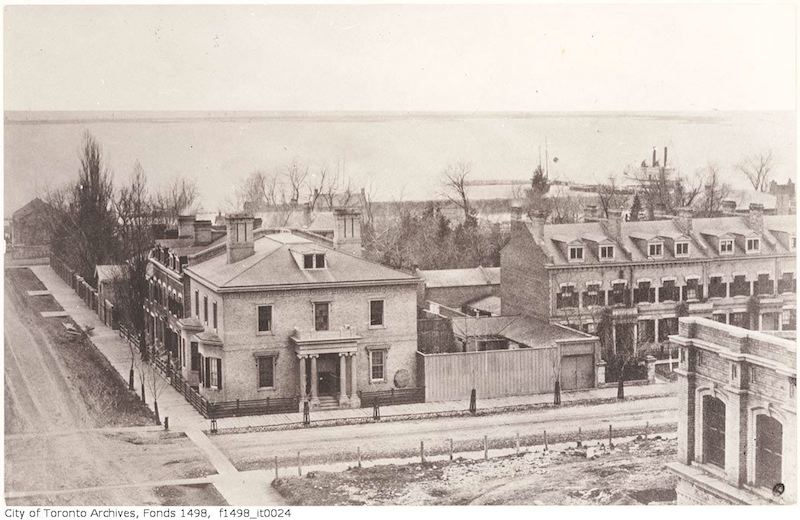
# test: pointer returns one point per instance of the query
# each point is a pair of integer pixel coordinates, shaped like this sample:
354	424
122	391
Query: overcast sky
438	58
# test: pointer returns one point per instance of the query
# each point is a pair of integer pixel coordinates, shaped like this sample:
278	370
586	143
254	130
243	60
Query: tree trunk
130	380
143	399
557	393
621	386
155	409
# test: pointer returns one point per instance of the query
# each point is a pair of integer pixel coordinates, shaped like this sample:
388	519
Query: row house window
321	315
669	291
682	249
567	297
753	245
593	296
619	295
740	286
787	283
693	290
667	327
644	293
726	247
717	288
739	319
606	252
576	253
647	331
655	250
210	374
764	285
789	319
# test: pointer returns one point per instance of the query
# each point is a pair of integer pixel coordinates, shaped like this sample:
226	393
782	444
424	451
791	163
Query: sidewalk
183	416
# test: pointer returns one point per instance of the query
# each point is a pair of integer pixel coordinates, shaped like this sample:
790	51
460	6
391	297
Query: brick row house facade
738	270
281	313
737	419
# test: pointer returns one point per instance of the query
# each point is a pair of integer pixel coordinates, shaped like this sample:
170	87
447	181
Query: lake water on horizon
399	155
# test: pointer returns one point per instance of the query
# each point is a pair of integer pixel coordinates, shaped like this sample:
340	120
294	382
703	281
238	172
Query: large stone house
281	313
738	270
737	423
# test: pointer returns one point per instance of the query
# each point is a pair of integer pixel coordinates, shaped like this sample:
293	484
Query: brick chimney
614	223
755	217
537	227
590	213
240	243
347	231
728	207
684	219
186	226
202	232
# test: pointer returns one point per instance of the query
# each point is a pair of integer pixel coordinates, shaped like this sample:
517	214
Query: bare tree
455	185
135	213
714	190
665	191
609	196
257	192
156	382
757	169
177	198
296	174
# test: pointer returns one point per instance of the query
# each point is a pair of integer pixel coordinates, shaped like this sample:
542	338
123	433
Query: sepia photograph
275	256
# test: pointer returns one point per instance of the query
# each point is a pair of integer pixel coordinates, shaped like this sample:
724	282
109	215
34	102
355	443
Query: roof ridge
237	275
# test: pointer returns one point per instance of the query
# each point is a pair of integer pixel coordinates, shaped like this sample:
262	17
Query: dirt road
333	444
44	398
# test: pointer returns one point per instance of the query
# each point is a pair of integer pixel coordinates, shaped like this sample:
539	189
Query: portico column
354	400
342	378
760	321
614	337
302	377
635	336
314	379
655	330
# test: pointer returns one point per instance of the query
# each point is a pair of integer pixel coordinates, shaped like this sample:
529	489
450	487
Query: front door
328	368
769	451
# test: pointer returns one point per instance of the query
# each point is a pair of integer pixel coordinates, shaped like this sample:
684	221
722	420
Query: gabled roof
34	206
475	276
274	264
632	244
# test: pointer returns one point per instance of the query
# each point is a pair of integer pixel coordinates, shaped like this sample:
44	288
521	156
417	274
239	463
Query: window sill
376	327
263	389
377	381
265	333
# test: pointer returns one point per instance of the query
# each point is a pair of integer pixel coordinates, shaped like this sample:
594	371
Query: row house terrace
286	315
738	270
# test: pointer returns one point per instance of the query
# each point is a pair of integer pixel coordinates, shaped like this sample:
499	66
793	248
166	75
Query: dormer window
726	247
655	250
753	245
606	252
314	261
682	249
576	253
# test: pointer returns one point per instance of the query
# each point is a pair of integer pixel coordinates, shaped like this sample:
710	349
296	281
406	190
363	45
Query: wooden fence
493	373
391	397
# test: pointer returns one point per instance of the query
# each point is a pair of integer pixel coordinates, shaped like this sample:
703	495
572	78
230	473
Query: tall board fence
492	373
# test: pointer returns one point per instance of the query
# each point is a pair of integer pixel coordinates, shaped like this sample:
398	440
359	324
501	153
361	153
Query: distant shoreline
79	117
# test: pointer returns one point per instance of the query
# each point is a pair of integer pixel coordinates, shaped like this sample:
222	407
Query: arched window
769	451
713	431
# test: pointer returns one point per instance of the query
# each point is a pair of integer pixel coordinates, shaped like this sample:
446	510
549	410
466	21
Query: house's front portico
324	357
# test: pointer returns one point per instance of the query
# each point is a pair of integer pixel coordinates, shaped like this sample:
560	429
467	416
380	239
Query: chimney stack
728	207
347	231
684	219
185	226
538	226
654	156
590	213
516	210
665	157
755	217
614	223
240	242
202	232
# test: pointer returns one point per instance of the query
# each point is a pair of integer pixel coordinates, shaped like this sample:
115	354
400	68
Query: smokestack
654	156
665	157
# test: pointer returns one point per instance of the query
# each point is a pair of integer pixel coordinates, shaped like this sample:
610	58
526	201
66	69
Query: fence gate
577	372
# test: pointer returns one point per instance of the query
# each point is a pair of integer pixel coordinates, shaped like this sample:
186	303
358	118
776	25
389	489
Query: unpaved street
320	445
51	443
